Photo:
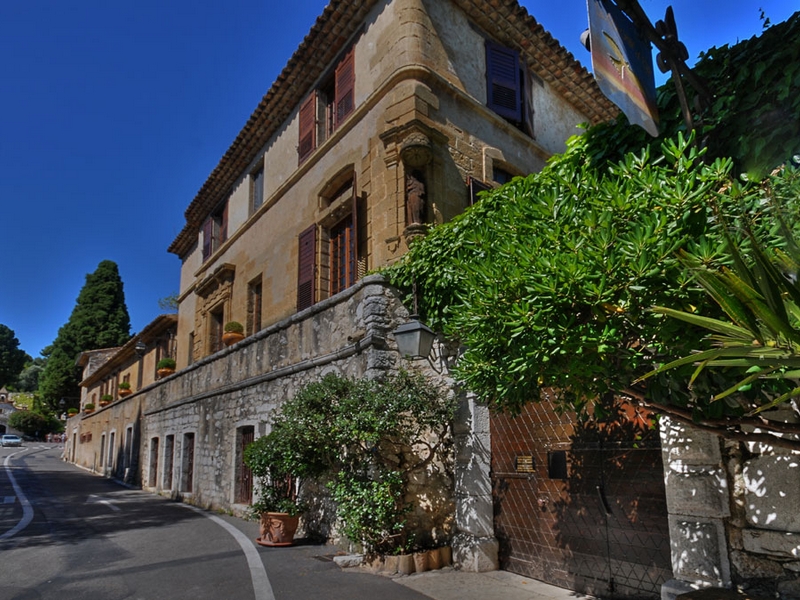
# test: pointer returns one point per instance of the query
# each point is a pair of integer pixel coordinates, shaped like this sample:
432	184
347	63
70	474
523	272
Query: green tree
99	320
12	359
33	423
549	280
28	380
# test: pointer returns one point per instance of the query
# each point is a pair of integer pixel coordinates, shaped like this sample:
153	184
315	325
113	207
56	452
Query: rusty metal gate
581	507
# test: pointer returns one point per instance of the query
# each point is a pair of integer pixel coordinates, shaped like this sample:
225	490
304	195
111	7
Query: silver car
10	440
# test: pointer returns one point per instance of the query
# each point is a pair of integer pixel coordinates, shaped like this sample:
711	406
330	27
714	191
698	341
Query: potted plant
277	506
88	408
124	389
165	367
105	400
233	332
72	411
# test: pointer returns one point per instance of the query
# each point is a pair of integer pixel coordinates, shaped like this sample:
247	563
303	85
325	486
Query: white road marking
27	509
9	499
262	589
93	499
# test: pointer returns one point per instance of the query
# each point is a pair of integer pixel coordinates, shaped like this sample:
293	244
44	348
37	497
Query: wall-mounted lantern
414	338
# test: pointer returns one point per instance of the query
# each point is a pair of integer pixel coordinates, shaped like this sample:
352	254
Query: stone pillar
698	502
475	548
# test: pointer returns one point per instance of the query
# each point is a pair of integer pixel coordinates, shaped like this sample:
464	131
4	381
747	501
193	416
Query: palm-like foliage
761	296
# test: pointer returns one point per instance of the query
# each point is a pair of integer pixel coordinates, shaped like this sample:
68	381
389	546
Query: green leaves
366	438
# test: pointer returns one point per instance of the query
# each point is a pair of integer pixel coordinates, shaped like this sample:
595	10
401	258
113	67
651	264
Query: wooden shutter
223	224
527	100
503	81
345	87
308	127
473	187
208	233
306	272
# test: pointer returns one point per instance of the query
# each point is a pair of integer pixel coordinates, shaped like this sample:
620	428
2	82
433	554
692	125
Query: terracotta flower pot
434	559
164	373
421	561
124	392
277	529
229	338
405	564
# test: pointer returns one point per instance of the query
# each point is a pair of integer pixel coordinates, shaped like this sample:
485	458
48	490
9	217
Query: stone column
698	502
475	548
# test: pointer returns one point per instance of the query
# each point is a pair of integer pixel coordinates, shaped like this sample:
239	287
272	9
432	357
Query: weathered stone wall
733	513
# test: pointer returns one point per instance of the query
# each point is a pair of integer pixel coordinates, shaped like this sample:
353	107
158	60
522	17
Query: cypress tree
99	320
12	359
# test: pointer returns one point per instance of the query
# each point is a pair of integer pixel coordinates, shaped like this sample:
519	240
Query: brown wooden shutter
308	127
356	203
503	81
208	233
223	225
306	272
345	87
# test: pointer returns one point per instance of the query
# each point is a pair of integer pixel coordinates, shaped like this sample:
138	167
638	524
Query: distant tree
12	359
33	423
99	320
28	380
169	303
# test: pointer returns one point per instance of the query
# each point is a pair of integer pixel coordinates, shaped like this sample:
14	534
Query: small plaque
524	463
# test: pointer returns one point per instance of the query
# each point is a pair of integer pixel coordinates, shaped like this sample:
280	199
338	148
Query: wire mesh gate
581	507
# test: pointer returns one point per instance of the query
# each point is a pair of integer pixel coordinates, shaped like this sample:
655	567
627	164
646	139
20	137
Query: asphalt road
67	534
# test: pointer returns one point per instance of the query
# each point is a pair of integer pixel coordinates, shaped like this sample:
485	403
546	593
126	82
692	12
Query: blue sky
114	113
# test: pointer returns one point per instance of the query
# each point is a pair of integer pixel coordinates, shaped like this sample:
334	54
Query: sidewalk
449	584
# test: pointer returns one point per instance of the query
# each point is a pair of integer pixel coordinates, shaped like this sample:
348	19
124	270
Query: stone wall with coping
732	512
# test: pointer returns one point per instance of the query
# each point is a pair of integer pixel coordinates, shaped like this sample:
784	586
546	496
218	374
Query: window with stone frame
216	324
215	230
256	188
327	106
254	302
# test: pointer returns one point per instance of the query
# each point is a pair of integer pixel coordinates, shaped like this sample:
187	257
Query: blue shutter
503	81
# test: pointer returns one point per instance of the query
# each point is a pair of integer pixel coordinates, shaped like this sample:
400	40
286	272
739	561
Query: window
474	186
501	176
306	268
256	189
508	86
254	297
216	322
169	454
215	230
342	255
187	463
327	107
152	475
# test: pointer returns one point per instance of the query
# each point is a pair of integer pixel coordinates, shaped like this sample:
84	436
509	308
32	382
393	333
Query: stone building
388	119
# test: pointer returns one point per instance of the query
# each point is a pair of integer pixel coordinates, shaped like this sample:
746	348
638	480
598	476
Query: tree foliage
33	423
99	320
366	438
548	281
12	358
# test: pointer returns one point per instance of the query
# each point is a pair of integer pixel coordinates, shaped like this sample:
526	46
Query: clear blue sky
114	113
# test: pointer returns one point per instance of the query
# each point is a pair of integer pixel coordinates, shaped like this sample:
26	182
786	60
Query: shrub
166	363
234	327
124	385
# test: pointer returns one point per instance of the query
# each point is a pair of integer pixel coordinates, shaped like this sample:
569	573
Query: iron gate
581	507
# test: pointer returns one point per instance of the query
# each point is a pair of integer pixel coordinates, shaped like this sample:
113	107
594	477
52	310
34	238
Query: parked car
10	440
